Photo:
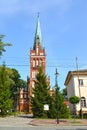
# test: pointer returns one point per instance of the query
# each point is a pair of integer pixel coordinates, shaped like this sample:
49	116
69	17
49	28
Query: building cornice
74	73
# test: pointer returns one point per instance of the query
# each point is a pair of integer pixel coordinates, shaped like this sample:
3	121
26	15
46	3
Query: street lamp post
56	85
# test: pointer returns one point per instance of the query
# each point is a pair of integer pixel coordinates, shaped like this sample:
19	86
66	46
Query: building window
40	62
81	82
21	96
83	102
33	74
36	62
33	63
25	96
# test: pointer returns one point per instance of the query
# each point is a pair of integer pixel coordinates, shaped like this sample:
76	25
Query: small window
33	74
81	82
21	96
37	62
25	96
40	62
33	63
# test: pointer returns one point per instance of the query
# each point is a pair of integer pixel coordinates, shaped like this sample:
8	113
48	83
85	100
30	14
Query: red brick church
37	59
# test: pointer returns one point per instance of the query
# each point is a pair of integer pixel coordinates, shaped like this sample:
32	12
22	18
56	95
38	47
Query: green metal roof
38	35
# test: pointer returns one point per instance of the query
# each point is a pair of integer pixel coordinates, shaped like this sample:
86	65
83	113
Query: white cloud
8	7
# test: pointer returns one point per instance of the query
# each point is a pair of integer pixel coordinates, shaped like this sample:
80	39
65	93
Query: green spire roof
38	35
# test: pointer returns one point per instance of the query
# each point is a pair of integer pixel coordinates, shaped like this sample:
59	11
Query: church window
33	63
40	62
21	96
25	96
36	62
33	74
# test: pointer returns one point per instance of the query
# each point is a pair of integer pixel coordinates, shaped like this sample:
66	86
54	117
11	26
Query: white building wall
73	89
76	85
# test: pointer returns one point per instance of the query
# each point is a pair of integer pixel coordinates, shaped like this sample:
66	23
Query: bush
85	116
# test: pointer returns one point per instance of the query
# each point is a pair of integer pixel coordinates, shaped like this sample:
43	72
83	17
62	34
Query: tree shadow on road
25	116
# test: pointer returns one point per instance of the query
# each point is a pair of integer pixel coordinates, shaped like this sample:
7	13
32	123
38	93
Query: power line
47	66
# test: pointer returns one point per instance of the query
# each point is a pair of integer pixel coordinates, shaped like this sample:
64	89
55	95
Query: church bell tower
37	57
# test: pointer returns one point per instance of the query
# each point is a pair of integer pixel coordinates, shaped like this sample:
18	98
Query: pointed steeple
38	35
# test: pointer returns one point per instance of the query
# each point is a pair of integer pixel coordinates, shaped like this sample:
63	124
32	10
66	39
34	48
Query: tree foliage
41	96
3	45
10	83
5	95
63	111
18	83
64	92
74	100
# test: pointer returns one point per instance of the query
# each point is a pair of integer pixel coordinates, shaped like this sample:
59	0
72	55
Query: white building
76	83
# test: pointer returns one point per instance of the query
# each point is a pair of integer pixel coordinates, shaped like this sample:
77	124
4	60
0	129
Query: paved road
45	128
22	123
15	121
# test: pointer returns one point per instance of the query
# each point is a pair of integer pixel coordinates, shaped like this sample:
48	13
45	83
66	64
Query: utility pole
79	88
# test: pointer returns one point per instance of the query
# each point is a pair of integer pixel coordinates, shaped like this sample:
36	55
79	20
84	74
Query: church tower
37	57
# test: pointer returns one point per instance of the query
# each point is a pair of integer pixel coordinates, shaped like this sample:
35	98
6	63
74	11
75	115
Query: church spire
38	35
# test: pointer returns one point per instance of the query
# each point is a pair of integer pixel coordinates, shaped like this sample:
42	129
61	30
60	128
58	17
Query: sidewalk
39	122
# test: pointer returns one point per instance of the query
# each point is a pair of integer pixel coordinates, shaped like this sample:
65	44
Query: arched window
33	63
83	101
33	74
37	62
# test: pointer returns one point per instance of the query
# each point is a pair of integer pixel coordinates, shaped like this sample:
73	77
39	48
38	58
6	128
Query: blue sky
64	32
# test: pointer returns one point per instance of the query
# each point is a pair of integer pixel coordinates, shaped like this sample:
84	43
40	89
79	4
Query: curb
46	122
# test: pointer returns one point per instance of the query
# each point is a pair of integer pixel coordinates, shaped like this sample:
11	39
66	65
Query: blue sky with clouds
64	32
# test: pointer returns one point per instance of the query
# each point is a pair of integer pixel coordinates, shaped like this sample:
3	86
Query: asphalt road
22	123
44	128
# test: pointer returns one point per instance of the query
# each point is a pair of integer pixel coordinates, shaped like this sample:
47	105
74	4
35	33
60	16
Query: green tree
3	45
41	96
41	93
18	83
64	92
15	84
5	94
63	111
74	100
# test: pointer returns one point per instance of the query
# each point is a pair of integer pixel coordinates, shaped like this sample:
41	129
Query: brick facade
37	59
